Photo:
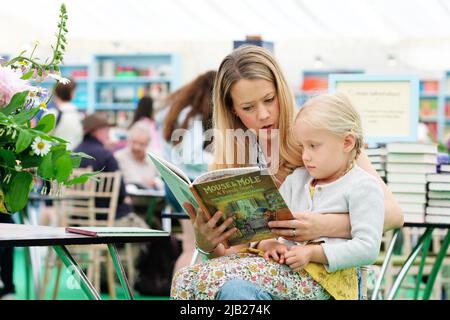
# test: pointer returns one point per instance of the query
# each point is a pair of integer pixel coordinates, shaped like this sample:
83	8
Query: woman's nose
263	113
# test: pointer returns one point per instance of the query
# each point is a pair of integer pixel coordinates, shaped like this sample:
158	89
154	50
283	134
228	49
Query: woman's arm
310	226
393	217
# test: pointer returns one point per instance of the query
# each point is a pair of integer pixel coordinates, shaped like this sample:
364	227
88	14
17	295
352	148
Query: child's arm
366	207
297	257
273	249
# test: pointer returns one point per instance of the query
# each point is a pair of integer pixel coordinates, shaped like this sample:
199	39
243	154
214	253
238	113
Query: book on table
248	195
113	231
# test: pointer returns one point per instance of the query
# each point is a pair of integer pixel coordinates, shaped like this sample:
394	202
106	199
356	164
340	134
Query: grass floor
67	289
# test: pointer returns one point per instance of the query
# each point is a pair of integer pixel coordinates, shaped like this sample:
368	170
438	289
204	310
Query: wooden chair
80	210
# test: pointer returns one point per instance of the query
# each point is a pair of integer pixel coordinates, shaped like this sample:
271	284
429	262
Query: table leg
70	262
426	247
387	258
436	267
408	263
120	272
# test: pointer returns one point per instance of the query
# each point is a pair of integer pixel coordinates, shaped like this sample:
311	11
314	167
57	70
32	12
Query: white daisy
58	78
40	147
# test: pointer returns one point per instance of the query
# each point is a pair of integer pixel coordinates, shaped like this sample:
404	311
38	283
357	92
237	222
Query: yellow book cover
249	195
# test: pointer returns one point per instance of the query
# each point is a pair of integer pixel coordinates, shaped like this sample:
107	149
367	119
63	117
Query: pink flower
10	84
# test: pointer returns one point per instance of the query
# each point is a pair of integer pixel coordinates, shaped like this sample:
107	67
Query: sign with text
388	105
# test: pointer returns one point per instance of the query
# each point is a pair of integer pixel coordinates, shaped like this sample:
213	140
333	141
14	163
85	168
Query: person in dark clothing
6	265
96	137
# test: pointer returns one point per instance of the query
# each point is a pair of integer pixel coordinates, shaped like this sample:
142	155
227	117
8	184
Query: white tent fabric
382	20
344	33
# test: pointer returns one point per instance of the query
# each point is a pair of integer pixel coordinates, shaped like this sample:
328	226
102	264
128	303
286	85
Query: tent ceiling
386	21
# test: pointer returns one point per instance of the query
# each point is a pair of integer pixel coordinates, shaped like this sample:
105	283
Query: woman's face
255	102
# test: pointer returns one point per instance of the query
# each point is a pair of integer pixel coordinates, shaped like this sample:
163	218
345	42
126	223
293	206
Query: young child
328	130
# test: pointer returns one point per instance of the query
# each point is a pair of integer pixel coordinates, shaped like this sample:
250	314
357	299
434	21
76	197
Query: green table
19	235
422	245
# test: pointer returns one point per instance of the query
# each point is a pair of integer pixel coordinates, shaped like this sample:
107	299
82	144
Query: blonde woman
250	92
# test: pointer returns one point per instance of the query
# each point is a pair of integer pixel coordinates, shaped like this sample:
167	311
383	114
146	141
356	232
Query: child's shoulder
298	175
359	176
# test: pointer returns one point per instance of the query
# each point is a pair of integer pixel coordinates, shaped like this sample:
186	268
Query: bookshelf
79	73
429	91
444	112
117	82
315	82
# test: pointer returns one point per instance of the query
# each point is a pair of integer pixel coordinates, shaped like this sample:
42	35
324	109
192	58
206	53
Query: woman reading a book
250	92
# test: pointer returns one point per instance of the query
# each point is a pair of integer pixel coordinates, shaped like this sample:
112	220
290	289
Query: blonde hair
252	62
335	113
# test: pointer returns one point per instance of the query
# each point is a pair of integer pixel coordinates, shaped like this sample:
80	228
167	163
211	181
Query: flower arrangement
27	149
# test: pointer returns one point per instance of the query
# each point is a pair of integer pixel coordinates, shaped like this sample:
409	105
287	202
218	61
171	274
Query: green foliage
27	147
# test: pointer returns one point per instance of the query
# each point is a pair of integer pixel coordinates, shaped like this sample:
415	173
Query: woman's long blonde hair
251	62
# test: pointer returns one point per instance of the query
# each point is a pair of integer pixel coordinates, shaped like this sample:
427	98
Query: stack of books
377	157
408	164
438	207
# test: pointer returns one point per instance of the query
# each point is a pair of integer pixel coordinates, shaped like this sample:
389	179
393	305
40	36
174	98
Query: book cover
437	219
113	231
411	147
439	194
438	177
412	158
438	211
249	195
407	187
439	203
407	177
411	167
410	197
439	186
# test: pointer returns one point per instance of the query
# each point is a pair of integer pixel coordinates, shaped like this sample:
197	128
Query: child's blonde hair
335	113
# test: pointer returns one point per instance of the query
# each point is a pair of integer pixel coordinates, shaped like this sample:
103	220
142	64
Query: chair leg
46	275
58	278
130	263
110	277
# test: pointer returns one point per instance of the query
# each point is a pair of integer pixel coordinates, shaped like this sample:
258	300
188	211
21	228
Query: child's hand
273	249
297	257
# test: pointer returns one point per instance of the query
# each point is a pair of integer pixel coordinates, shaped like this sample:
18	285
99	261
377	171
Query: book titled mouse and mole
249	195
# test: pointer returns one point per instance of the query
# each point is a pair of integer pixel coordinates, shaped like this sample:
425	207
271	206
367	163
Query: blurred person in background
189	108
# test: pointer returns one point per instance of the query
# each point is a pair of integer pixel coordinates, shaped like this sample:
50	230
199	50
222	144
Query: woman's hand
207	234
306	226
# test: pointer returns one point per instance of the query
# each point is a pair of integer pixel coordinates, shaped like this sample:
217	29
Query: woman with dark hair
188	116
144	115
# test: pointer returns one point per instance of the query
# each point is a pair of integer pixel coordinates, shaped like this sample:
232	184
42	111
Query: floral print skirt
203	281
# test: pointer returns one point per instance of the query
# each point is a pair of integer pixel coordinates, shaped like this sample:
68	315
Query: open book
249	195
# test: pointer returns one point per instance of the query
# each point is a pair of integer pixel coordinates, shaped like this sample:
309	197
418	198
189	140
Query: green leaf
23	141
31	161
17	100
82	178
19	187
26	116
63	167
47	123
76	161
45	169
27	75
82	155
8	157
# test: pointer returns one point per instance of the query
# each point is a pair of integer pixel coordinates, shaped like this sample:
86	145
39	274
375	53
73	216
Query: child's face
255	102
325	155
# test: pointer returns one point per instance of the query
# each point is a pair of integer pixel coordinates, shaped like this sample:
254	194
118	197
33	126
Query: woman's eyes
270	99
247	108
